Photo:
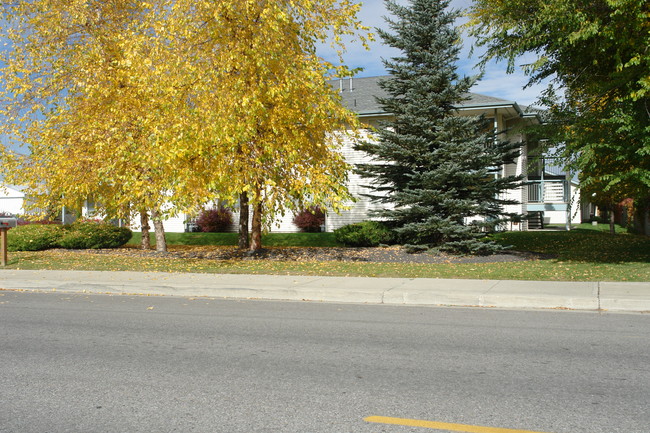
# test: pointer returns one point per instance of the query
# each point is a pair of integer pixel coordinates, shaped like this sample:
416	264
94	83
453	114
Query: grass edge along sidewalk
581	255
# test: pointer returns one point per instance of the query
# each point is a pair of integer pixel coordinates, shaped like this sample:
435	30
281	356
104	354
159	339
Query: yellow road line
442	425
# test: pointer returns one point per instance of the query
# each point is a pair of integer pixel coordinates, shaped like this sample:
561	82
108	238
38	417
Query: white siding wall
524	189
361	208
559	217
284	223
234	227
281	224
513	194
518	168
174	224
518	194
11	200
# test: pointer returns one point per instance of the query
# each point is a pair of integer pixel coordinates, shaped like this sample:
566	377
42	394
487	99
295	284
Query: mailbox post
5	225
3	245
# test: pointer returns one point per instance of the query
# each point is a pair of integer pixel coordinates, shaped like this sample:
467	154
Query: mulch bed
393	254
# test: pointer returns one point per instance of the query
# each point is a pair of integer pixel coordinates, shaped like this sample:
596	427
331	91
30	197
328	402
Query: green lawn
601	227
549	270
583	254
582	245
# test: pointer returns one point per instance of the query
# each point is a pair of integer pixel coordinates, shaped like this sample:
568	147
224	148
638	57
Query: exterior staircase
535	220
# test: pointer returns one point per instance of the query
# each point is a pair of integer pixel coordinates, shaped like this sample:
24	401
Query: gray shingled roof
359	94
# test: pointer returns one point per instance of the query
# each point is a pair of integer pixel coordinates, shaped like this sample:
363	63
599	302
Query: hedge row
79	235
365	234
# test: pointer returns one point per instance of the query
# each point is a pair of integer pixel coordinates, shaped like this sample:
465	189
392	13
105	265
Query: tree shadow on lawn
581	245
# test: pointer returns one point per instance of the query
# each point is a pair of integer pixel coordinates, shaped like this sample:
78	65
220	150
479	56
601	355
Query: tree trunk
161	242
612	229
243	221
642	220
256	229
145	244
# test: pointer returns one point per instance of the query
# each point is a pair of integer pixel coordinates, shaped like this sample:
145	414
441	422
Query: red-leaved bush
214	220
309	220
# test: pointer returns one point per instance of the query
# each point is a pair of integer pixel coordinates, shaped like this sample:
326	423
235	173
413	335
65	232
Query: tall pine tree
431	167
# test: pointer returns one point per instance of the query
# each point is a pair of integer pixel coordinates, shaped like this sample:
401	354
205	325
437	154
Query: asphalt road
97	363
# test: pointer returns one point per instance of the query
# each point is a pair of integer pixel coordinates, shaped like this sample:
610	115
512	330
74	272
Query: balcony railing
548	191
546	166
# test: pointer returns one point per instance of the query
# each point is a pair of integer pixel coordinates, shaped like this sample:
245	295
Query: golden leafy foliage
143	104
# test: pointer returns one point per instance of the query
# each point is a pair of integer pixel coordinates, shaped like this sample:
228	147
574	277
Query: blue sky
495	81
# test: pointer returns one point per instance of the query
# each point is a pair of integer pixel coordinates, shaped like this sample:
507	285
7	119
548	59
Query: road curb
593	296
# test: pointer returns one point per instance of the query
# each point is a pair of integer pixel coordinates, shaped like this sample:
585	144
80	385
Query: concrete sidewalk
609	296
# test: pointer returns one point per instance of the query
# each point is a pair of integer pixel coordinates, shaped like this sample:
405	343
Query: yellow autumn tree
161	106
264	91
87	89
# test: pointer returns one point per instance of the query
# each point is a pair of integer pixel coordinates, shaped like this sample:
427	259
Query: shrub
214	220
93	234
34	237
364	234
309	220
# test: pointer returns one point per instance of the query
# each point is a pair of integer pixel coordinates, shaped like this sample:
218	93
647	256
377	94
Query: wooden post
3	245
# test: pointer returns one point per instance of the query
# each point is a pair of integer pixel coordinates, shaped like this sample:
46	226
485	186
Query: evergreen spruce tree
432	167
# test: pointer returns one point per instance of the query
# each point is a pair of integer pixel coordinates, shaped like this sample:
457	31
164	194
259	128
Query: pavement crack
496	283
399	286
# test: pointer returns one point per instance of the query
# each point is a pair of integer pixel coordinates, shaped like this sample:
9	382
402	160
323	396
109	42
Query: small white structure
12	199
